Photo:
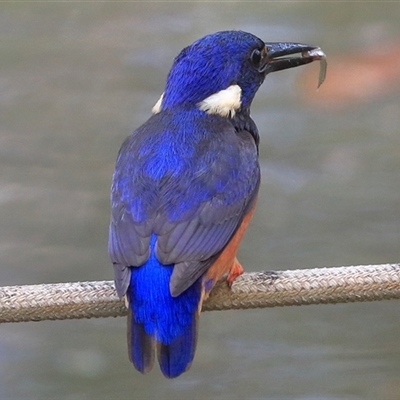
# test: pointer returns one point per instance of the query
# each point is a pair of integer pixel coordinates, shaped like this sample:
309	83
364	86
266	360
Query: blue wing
189	187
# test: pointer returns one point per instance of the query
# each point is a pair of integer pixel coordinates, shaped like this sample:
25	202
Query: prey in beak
283	55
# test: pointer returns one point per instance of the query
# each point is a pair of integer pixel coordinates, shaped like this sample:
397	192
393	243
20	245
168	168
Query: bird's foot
234	272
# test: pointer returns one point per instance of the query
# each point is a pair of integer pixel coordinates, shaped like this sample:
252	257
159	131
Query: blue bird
184	190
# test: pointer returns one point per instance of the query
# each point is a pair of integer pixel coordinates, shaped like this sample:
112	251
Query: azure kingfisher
184	190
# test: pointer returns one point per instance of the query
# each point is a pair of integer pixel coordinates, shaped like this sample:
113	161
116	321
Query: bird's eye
255	57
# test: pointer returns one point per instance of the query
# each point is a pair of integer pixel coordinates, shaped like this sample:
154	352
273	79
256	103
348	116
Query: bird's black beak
282	55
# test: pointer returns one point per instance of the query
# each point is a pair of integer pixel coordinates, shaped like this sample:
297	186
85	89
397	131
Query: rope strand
251	290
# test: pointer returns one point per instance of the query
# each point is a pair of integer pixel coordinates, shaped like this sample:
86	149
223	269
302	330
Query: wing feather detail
193	198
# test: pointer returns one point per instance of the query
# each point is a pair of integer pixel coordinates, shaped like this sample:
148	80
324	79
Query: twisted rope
250	290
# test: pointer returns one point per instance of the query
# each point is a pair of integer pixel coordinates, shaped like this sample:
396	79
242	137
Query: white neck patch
225	102
157	107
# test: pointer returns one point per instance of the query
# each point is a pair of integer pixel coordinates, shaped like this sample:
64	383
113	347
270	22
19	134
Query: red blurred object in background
355	78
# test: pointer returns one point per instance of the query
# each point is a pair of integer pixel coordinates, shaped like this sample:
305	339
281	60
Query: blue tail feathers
159	320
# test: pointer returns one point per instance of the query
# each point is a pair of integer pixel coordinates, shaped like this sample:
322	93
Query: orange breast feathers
227	262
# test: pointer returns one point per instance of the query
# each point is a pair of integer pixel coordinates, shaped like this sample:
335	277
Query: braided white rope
250	290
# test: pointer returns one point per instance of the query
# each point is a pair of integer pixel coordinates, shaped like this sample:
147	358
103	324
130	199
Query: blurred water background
77	77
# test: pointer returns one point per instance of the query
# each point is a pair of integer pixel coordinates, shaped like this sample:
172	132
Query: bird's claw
235	271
